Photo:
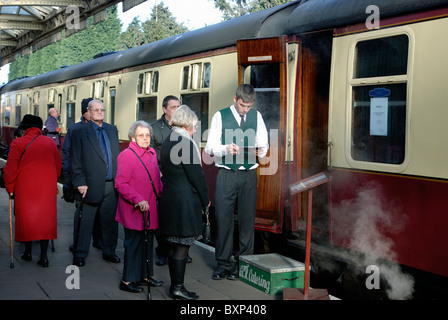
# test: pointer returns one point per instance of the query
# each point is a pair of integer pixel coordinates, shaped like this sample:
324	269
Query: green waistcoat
231	132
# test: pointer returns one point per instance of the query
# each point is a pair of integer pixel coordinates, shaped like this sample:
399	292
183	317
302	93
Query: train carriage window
70	114
51	96
36	101
147	109
198	102
148	82
378	127
185	76
112	94
70	107
206	75
18	111
196	76
98	89
8	110
268	93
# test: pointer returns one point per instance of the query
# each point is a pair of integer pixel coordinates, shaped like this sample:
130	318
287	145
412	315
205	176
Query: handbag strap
153	187
27	147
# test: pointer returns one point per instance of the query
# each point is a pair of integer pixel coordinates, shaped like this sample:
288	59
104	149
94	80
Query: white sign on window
378	116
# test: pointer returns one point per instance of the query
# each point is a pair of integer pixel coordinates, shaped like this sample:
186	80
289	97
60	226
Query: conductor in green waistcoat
237	137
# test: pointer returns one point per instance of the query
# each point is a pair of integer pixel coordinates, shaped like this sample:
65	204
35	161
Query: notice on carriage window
378	116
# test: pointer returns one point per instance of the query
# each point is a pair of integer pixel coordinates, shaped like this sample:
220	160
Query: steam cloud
368	222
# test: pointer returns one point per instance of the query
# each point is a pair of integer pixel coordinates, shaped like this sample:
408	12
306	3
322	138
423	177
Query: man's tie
242	122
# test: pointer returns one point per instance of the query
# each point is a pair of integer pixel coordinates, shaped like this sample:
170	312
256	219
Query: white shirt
214	145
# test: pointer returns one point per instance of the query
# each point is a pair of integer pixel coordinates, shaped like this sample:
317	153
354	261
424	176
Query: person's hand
58	129
83	190
232	149
143	206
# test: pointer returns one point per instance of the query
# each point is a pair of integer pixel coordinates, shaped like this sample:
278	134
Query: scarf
185	134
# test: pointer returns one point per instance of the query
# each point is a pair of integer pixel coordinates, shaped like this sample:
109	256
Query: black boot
177	273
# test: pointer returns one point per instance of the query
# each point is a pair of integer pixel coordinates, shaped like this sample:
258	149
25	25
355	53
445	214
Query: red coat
34	184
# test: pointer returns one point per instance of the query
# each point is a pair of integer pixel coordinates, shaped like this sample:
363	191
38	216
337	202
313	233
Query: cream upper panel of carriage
388	108
205	84
36	101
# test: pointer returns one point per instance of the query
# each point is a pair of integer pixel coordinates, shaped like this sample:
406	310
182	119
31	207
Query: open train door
262	63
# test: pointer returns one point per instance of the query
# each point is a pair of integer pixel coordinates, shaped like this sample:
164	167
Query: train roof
294	17
313	15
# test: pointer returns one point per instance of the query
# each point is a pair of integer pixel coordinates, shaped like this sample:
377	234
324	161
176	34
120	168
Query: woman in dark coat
31	175
184	196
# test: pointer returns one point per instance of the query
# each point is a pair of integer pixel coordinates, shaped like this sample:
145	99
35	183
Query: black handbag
153	187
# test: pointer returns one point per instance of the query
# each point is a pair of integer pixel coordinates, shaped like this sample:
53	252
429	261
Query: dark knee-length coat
33	180
185	193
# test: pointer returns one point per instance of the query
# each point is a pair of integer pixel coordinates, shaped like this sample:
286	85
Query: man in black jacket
93	159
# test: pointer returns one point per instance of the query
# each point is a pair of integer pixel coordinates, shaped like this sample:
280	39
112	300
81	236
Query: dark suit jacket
88	166
185	192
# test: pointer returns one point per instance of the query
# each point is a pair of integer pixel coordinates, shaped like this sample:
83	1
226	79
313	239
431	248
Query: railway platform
99	279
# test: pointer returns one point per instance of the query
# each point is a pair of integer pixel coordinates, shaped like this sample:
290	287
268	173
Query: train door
262	63
311	128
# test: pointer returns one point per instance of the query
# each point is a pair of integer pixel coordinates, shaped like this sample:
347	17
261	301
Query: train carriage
343	86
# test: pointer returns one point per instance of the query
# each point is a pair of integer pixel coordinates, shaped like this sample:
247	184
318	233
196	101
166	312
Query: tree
133	36
237	8
162	24
79	47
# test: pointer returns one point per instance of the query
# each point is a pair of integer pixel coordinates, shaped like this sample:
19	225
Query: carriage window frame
36	102
378	82
196	76
148	83
98	88
71	93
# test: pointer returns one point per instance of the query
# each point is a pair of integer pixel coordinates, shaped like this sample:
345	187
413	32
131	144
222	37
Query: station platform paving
99	279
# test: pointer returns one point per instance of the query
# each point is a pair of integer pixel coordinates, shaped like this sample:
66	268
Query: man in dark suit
93	159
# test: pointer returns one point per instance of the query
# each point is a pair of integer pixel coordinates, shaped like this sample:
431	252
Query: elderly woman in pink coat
137	198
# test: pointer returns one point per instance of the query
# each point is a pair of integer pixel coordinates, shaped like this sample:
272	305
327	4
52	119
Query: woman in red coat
31	174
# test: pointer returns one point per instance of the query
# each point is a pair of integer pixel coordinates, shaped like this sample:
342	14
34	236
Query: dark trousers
234	187
106	211
96	233
134	264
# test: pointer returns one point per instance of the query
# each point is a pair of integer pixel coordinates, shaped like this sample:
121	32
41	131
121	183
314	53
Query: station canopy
27	26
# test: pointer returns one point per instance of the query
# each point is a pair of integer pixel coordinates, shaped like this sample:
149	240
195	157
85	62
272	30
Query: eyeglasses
98	110
144	135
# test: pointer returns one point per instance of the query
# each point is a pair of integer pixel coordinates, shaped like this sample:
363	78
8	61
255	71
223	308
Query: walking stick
148	297
10	231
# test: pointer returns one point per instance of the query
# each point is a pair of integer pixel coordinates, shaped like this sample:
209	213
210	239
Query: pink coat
133	185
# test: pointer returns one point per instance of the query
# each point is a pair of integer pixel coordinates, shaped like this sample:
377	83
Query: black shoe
130	287
26	256
189	260
112	258
151	282
179	292
161	261
80	262
43	262
234	274
219	274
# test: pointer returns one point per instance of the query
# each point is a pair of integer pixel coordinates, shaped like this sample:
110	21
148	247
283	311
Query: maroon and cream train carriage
365	101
